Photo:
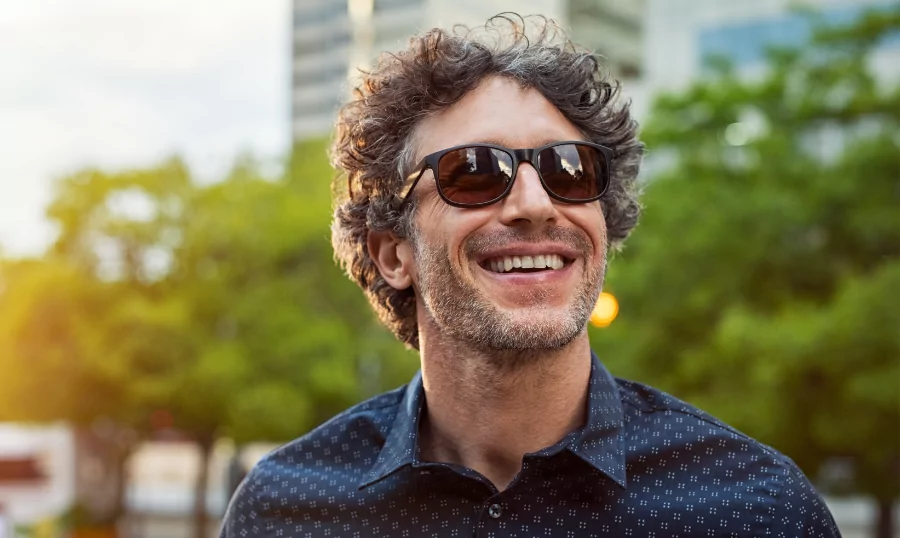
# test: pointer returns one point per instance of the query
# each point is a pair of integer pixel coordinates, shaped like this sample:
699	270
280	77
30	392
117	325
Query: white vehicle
37	474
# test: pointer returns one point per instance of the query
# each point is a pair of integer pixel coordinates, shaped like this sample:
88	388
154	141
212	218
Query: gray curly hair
373	145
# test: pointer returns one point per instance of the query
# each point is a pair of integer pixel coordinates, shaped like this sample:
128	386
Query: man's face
456	250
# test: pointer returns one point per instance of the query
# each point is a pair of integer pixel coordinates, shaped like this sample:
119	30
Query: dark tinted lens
474	175
573	171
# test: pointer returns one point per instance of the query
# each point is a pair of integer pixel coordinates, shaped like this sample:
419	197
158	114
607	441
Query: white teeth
541	261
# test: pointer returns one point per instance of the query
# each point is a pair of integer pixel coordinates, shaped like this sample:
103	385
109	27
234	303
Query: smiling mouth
525	264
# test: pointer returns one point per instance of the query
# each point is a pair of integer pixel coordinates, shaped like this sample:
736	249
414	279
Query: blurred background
170	310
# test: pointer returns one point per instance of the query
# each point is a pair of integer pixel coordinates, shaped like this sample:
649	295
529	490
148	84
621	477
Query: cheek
590	219
445	229
601	226
429	208
428	232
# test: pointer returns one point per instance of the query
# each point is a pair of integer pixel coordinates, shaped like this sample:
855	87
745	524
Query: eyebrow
497	142
541	142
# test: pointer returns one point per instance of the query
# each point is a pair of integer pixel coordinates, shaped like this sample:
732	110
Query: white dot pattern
646	464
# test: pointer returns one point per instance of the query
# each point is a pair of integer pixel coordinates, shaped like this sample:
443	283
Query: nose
527	202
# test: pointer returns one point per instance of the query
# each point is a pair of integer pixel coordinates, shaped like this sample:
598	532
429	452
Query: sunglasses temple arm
409	184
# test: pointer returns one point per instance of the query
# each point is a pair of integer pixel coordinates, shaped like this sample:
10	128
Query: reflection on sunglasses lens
475	175
480	175
571	171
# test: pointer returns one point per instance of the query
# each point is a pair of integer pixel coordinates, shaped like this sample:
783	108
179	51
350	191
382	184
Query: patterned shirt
644	465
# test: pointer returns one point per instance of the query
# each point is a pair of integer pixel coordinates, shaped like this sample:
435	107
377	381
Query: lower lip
549	276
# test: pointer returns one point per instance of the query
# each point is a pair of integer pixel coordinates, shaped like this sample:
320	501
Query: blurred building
680	37
614	29
333	38
321	40
683	34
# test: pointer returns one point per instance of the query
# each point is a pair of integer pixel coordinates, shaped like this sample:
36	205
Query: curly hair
375	131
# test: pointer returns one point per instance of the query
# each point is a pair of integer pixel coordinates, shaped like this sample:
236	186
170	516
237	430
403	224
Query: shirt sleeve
244	516
800	510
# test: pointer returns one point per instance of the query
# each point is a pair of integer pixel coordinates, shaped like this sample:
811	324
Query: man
488	258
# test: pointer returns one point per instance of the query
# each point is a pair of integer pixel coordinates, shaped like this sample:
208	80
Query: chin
539	328
536	315
529	302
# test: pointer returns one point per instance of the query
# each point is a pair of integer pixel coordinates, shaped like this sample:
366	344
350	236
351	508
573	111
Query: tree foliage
762	282
211	310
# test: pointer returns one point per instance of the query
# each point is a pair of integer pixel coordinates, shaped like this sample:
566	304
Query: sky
121	84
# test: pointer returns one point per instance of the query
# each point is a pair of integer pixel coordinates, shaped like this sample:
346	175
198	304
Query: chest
567	502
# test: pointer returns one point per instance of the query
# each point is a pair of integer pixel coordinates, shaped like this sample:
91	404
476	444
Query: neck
486	411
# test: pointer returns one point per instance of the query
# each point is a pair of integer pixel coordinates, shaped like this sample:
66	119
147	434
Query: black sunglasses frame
526	155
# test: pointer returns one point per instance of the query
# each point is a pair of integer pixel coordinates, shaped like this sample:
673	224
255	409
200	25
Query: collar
600	443
401	445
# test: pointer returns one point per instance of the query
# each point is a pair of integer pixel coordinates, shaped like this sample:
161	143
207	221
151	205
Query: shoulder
338	451
800	511
355	431
655	414
667	437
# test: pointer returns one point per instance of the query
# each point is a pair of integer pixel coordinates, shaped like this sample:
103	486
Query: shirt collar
601	443
400	446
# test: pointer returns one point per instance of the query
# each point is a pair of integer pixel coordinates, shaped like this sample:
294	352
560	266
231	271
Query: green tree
281	332
217	307
761	284
83	334
59	362
236	320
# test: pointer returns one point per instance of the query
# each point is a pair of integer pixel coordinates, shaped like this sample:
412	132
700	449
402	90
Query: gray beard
461	312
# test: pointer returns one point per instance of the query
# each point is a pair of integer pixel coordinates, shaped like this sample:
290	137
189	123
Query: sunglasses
476	175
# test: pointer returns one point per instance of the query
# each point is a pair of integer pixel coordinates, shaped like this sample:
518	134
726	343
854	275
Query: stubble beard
461	312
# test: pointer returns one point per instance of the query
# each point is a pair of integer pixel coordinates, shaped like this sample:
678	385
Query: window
320	15
386	5
316	108
331	41
317	75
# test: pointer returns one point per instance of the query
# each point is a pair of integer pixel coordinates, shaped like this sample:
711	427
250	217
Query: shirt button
495	511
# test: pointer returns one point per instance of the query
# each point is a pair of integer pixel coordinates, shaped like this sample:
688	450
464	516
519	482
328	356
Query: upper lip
530	249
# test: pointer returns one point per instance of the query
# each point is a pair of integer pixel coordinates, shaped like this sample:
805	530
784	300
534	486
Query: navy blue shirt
645	464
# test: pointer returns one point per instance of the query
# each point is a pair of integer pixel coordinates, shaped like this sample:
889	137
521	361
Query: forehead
498	111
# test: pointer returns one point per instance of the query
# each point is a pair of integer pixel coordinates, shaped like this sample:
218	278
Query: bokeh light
605	311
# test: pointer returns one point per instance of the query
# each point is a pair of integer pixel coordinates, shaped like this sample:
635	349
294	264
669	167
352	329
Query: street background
169	306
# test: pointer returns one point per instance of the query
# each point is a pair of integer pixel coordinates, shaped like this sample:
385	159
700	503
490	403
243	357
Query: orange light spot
605	311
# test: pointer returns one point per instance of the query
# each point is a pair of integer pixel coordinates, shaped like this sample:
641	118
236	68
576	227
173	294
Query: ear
393	257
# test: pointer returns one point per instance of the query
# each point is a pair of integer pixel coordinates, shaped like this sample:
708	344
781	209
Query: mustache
482	244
